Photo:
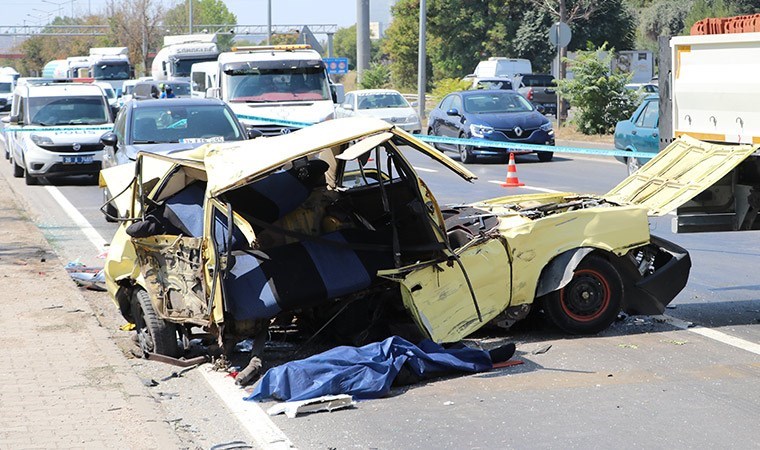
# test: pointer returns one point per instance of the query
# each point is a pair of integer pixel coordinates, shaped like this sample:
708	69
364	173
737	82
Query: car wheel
154	335
545	156
590	302
18	171
110	210
633	164
435	146
29	179
465	152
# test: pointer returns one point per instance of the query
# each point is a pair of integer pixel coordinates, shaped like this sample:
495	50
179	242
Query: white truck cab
110	65
176	58
282	82
54	129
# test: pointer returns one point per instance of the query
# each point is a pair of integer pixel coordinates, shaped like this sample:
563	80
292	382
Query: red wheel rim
586	297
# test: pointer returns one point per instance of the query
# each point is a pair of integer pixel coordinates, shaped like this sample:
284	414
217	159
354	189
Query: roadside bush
376	77
598	96
446	86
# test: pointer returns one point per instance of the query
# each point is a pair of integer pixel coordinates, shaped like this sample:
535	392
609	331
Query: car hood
159	149
500	121
386	113
678	173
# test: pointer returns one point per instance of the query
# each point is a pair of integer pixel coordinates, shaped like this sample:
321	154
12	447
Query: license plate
87	159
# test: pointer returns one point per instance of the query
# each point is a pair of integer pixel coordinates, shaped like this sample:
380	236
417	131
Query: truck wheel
545	156
465	152
154	335
590	302
633	164
18	171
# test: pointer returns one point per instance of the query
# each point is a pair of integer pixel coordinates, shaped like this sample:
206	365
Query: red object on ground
512	180
509	363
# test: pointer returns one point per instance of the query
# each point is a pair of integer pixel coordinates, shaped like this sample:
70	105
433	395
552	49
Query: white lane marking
89	231
424	169
250	414
715	335
531	188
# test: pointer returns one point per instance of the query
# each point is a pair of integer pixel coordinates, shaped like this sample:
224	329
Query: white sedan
385	104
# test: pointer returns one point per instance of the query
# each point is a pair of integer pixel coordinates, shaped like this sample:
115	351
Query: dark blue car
496	115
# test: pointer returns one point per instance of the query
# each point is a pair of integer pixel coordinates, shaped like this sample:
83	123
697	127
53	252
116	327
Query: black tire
18	171
545	156
30	180
435	146
110	210
465	152
590	302
154	335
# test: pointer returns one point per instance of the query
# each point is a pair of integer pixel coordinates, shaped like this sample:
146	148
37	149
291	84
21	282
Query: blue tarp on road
365	372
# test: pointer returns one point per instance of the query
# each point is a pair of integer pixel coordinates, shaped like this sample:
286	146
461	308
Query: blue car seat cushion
303	274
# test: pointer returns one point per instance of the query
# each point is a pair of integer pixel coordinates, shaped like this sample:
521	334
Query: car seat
145	129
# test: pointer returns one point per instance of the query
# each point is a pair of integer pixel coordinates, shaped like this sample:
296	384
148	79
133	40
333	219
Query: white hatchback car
385	104
54	129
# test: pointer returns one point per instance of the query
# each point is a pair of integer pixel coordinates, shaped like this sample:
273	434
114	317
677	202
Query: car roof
186	101
485	91
62	89
373	91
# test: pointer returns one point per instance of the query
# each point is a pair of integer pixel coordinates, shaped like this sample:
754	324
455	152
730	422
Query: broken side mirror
109	139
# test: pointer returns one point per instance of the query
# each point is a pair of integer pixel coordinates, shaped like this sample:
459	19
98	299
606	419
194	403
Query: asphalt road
644	383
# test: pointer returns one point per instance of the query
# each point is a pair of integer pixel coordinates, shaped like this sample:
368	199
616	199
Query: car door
645	136
454	295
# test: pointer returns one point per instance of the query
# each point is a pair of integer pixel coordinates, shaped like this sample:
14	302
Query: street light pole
421	75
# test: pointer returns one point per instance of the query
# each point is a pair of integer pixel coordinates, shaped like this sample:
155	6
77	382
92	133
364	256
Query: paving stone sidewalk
63	382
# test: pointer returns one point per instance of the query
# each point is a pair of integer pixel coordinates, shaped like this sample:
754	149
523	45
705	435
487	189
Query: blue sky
248	12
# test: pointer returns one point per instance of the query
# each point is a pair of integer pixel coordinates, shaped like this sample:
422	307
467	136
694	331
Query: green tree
376	77
661	18
205	12
344	45
599	97
401	44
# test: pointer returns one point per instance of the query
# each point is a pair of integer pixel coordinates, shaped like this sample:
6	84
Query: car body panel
437	294
671	179
402	115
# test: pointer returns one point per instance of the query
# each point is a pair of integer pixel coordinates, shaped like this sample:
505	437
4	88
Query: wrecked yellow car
231	236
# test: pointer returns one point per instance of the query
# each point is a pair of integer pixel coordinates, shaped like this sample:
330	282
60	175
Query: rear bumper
650	294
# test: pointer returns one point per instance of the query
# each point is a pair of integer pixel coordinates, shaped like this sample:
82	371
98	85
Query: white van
499	66
54	129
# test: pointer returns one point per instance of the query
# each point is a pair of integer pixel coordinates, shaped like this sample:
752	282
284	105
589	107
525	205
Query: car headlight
412	118
546	127
480	130
41	140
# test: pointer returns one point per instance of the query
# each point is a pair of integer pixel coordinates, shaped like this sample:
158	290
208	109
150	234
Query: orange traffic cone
512	180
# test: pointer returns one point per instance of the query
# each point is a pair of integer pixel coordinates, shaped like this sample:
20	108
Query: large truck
280	83
110	65
709	90
176	58
78	66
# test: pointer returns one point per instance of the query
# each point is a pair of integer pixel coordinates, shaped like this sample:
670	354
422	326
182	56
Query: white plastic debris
325	403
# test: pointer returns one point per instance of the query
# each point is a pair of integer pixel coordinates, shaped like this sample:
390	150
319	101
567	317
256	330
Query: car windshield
538	81
382	100
111	71
182	66
186	124
6	88
496	102
180	89
48	111
275	85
